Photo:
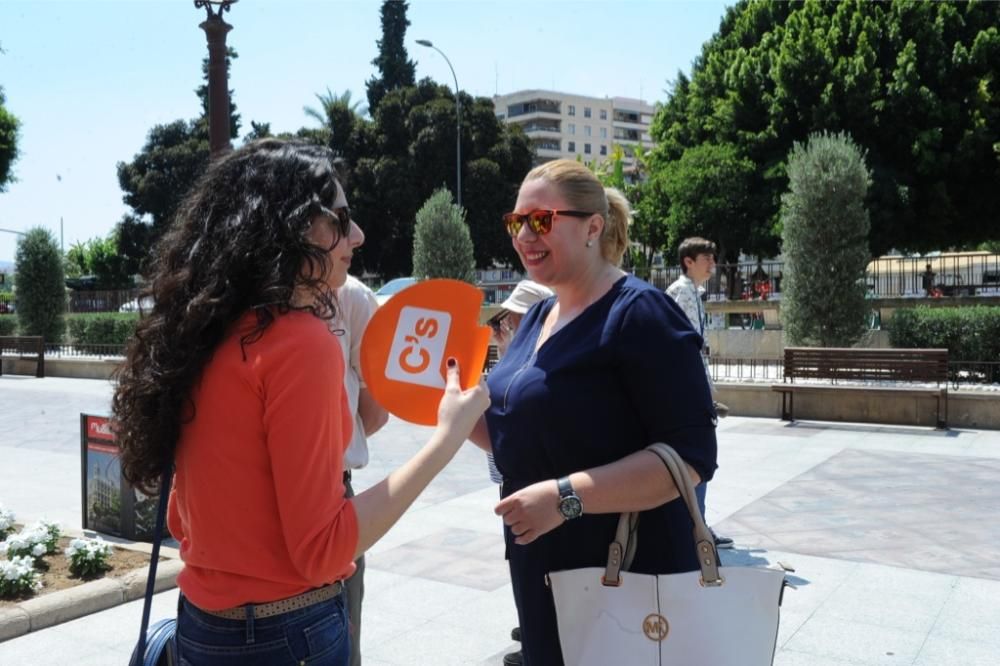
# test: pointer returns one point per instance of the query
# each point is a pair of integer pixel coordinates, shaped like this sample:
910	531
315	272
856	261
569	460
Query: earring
590	243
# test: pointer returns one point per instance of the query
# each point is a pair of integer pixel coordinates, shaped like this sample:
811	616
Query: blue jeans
314	635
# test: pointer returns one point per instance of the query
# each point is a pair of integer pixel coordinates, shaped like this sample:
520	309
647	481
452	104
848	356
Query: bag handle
622	549
161	514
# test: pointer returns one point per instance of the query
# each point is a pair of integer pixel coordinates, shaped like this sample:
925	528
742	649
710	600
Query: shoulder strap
161	515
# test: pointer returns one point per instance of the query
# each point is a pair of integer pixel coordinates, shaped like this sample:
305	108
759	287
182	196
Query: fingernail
452	362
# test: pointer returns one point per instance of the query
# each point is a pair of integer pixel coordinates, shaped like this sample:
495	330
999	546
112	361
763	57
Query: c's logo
418	347
655	627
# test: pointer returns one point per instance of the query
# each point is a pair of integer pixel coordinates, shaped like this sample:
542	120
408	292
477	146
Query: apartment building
564	125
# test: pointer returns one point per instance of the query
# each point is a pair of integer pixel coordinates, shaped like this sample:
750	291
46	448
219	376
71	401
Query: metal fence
960	373
935	276
85	351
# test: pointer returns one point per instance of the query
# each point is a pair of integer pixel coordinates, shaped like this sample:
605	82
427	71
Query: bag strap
161	515
622	549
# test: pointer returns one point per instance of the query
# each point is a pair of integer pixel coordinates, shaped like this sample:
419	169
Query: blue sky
89	78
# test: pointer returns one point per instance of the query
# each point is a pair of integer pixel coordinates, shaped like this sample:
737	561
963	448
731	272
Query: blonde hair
582	191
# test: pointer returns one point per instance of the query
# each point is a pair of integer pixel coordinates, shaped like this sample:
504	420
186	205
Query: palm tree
337	115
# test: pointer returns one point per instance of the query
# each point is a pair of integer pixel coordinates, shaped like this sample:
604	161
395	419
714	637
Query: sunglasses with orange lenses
539	220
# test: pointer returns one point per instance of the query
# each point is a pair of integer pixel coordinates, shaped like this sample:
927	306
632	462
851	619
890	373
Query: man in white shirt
697	259
355	306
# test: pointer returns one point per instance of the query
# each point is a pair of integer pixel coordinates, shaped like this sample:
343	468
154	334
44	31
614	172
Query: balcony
633	117
541	125
534	106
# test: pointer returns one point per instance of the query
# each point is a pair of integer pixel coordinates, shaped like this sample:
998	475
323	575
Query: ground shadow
748	557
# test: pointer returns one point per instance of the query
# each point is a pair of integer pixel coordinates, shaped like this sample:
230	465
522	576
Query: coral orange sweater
258	500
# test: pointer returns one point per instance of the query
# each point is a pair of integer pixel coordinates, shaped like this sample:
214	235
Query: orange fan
408	342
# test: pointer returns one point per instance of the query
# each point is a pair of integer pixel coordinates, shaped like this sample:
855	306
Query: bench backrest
22	344
888	365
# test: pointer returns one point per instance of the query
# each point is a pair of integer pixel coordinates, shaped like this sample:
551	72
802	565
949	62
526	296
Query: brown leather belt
298	602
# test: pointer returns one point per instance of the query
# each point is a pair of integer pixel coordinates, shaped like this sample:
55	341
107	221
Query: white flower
38	549
6	519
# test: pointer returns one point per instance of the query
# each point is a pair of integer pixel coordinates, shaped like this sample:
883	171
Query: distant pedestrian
355	306
927	280
504	325
697	260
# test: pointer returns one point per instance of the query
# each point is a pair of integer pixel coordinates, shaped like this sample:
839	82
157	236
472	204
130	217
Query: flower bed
37	560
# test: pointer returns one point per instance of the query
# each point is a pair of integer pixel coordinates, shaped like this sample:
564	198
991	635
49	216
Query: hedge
968	333
101	328
8	324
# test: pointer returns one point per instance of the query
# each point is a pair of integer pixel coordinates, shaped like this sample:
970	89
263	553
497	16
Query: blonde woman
607	367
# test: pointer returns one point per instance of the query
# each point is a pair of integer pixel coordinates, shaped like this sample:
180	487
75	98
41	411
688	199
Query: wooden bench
25	347
889	366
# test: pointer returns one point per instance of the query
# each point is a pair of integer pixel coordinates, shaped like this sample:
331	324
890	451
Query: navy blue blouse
623	374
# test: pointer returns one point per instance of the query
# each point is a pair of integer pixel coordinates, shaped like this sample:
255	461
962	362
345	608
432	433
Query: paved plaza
893	533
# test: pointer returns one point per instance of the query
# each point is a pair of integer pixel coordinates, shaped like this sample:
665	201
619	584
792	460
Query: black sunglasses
539	220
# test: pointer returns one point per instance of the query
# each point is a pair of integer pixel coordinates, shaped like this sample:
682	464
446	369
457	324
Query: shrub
88	557
18	576
102	328
825	242
41	292
968	333
8	324
442	246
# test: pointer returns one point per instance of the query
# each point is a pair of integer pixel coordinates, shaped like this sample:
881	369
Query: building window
604	149
586	148
604	132
586	130
586	112
571	128
604	114
571	146
572	109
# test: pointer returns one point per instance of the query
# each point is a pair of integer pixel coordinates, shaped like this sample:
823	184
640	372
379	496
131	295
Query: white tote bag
718	616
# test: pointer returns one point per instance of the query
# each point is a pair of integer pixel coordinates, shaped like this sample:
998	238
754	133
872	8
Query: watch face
570	507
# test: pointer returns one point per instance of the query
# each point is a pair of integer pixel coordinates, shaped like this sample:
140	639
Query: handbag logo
655	627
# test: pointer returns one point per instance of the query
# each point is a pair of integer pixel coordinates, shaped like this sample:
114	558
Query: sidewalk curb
75	602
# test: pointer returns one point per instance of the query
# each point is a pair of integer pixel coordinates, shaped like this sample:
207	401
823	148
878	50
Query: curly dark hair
238	243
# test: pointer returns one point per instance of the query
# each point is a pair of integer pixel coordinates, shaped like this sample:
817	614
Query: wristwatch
570	505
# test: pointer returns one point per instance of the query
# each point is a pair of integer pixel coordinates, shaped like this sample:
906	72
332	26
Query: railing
960	373
966	373
969	274
84	351
103	301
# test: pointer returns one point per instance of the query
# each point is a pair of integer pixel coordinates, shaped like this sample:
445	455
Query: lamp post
458	116
218	87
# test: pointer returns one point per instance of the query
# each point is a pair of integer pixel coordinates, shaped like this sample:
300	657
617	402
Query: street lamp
458	116
218	87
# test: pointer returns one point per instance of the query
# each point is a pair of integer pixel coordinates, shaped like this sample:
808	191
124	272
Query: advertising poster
110	505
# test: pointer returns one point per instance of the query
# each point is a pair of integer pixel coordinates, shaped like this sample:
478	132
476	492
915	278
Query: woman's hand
531	511
459	410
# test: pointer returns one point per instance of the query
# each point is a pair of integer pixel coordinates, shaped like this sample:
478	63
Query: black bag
160	649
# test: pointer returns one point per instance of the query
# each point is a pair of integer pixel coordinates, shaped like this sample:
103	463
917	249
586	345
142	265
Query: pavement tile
892	532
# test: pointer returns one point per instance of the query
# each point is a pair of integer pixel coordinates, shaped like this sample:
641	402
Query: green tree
160	175
709	190
100	257
395	69
337	115
825	242
41	292
914	83
9	125
442	247
406	152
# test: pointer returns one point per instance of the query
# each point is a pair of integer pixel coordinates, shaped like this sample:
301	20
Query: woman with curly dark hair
235	378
